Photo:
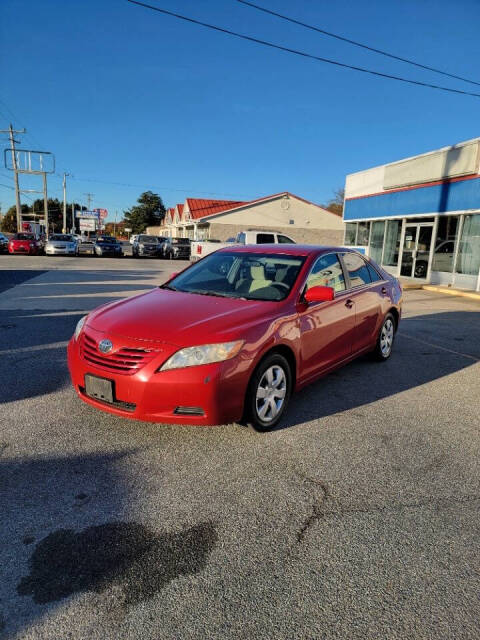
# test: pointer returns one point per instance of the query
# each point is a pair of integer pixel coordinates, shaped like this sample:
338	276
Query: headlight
204	354
79	327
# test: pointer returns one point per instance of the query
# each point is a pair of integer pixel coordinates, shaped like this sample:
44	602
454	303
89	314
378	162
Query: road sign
87	224
87	214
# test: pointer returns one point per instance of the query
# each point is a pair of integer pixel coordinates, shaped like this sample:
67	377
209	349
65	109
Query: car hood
22	242
183	319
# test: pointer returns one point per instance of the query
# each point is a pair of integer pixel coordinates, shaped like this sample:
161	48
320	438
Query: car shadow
426	348
66	531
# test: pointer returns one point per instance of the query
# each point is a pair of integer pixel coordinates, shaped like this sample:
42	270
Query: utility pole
45	203
11	131
89	199
115	225
74	227
64	230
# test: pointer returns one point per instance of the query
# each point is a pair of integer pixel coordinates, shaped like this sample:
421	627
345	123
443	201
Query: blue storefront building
420	217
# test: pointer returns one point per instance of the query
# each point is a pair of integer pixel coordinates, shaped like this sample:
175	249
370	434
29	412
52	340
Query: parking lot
358	518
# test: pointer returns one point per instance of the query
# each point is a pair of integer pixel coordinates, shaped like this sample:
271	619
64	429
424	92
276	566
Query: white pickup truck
200	249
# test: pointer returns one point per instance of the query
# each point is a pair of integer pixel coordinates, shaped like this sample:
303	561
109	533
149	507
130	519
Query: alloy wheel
386	337
270	394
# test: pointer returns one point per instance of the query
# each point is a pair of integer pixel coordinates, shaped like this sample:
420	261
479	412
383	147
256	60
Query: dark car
145	245
108	246
3	243
176	248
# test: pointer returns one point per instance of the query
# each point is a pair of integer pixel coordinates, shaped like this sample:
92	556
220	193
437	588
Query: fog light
189	411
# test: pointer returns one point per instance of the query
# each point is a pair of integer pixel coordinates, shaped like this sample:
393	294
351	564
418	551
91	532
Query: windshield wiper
168	286
211	293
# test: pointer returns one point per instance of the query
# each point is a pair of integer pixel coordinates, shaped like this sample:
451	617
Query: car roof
288	249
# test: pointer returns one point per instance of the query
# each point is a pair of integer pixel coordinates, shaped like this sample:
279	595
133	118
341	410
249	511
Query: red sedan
24	243
233	335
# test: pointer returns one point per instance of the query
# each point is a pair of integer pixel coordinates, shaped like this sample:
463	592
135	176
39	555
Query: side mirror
174	274
319	294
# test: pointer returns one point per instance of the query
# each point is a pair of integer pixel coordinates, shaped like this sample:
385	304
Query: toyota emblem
105	346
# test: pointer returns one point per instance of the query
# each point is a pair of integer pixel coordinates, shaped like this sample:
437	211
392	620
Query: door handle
349	303
384	291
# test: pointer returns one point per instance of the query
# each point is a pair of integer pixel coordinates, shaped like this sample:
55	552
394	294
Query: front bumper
218	389
51	251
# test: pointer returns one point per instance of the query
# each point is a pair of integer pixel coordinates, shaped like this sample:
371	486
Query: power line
142	186
304	54
357	44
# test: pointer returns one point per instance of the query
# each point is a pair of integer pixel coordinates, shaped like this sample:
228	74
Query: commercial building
301	220
420	217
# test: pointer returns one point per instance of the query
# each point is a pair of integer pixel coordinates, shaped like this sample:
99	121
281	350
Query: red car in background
234	335
24	243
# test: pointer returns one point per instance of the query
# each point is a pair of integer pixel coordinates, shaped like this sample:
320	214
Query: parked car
3	243
80	238
108	246
25	243
232	336
202	248
176	248
146	245
61	244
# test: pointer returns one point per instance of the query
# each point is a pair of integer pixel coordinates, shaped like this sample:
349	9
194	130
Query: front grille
125	360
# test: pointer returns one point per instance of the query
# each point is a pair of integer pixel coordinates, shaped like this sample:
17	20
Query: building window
350	234
392	243
363	234
444	251
376	240
468	260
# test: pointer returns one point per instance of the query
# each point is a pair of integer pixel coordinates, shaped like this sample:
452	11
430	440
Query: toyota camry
231	337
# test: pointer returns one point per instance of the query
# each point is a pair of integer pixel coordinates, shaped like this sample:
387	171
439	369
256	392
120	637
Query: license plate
99	388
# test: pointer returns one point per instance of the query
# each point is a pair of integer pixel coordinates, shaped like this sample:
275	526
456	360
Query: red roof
200	207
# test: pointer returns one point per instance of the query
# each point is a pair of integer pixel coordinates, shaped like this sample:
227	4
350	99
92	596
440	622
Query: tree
149	212
9	220
335	205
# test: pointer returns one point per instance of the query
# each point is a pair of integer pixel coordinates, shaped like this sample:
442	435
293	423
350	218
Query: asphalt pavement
358	518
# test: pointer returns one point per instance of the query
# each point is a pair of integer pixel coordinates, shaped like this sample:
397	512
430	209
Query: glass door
416	250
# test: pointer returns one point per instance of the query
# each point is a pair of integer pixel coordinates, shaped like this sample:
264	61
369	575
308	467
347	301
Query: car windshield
148	239
24	236
60	237
107	239
251	276
180	241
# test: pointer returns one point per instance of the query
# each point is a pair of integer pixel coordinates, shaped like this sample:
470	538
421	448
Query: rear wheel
386	336
268	393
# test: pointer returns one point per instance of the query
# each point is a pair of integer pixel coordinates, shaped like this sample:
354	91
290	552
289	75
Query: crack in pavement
319	512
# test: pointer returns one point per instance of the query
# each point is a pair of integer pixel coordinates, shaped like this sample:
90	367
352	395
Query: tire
272	378
386	337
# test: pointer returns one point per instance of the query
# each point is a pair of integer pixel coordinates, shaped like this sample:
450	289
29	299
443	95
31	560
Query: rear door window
358	272
265	238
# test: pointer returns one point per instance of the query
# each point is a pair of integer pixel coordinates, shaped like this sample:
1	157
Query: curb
451	292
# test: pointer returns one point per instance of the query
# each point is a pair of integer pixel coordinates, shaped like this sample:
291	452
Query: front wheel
268	393
386	335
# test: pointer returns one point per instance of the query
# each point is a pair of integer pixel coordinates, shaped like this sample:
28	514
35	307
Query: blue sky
125	95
